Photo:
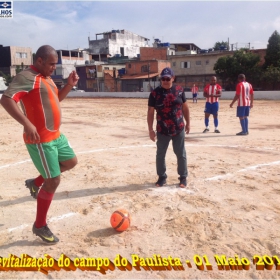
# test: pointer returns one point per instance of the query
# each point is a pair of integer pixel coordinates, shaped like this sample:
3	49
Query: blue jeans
178	142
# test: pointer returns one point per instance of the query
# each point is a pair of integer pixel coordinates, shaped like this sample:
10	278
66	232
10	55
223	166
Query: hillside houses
119	60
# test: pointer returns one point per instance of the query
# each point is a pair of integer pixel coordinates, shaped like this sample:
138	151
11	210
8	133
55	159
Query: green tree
249	64
227	68
272	57
271	76
221	45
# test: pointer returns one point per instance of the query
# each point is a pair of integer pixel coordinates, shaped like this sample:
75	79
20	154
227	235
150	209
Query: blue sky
68	24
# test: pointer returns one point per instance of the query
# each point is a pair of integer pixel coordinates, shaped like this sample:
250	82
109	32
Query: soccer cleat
217	131
30	184
183	182
242	133
45	234
161	181
205	130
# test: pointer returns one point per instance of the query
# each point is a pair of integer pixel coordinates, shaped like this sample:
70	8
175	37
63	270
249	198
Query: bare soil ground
230	206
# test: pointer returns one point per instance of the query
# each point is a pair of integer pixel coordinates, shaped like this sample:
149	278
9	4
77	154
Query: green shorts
47	156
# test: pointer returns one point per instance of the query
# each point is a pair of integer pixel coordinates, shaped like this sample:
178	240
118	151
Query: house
67	60
13	59
116	43
158	44
195	68
198	68
185	48
144	73
177	48
99	76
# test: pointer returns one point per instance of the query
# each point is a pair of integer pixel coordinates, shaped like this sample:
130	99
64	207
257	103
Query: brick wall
110	83
153	53
135	68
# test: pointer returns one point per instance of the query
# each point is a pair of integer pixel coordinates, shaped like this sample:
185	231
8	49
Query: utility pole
149	76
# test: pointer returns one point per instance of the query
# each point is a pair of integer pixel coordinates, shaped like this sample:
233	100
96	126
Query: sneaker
205	130
242	133
30	184
183	182
217	131
45	234
161	181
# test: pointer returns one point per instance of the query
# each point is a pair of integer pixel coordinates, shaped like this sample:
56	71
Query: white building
67	60
117	43
2	84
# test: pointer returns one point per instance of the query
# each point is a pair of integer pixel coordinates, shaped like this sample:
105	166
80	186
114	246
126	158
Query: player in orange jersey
40	117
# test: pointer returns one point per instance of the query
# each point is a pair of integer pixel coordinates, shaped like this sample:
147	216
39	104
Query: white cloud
67	24
276	23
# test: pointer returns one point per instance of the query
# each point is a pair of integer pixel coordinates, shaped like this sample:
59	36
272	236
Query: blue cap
167	72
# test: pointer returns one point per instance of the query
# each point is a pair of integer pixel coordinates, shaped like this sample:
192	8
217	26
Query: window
207	62
174	64
129	65
106	68
185	64
144	68
21	55
198	63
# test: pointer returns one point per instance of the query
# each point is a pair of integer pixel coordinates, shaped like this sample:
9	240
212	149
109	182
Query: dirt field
230	207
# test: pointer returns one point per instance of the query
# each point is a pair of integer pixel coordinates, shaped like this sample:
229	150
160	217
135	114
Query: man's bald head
44	52
45	60
213	80
241	77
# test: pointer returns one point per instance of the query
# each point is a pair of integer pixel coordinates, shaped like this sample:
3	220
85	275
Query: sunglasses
166	79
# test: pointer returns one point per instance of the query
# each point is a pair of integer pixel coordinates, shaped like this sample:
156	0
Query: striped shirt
212	89
38	97
244	90
194	89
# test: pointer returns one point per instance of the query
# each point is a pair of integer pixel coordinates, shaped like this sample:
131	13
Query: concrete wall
226	95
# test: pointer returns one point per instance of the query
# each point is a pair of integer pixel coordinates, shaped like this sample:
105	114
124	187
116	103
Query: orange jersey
38	96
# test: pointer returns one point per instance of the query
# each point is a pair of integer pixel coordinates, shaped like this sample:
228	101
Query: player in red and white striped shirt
212	92
194	93
245	96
